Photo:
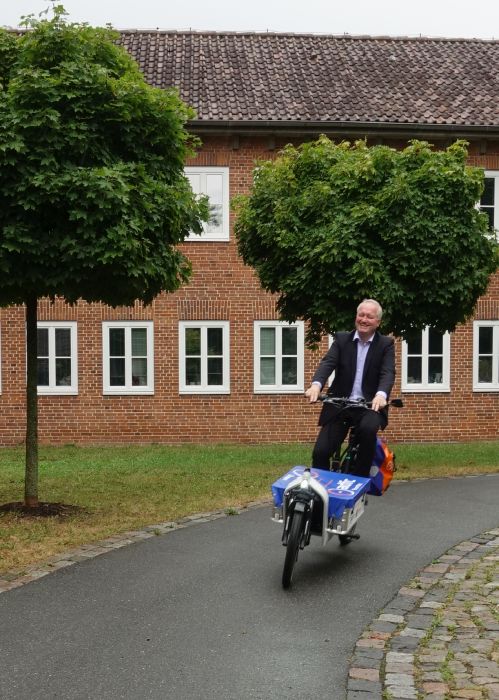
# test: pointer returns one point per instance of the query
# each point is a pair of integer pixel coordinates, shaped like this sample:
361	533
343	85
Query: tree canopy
326	225
93	197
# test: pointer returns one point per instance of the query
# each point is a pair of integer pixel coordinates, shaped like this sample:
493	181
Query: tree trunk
31	474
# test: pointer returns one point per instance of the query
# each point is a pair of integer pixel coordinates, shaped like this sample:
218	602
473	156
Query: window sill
128	392
203	238
206	392
58	392
425	390
278	390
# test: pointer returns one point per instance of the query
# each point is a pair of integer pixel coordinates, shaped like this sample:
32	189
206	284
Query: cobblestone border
20	577
438	639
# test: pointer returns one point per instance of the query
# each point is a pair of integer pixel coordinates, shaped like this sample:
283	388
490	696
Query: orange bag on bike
382	468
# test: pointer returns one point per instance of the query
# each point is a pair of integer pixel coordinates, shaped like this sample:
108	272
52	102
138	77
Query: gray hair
379	310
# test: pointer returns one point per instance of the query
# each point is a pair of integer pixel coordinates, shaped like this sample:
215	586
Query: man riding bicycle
364	365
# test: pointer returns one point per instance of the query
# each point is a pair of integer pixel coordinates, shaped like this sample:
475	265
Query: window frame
128	388
204	387
224	235
425	386
486	386
52	389
494	175
278	387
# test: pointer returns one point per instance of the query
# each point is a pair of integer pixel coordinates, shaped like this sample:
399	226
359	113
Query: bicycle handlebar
343	402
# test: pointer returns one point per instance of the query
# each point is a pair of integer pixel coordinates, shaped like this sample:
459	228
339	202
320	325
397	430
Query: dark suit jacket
379	370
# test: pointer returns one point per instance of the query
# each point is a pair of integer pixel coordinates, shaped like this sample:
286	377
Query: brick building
212	362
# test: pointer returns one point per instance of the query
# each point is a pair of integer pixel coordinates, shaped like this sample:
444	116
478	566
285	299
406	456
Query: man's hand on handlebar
378	402
313	392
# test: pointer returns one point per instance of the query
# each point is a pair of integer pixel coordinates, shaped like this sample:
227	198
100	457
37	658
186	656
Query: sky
435	18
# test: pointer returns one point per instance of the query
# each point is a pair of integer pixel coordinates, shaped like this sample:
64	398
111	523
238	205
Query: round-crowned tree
326	225
93	196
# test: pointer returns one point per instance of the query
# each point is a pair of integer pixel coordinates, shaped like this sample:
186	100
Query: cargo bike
309	501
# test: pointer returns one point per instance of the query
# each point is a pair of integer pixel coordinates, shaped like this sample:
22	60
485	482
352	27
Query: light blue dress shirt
362	350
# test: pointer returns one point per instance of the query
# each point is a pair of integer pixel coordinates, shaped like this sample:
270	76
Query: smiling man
364	365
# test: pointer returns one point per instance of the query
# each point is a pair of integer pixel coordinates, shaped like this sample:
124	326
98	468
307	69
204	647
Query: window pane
267	370
289	370
485	369
289	341
139	371
117	371
63	371
485	335
193	341
214	190
195	182
117	342
490	213
267	341
488	192
62	342
215	371
435	370
414	370
215	344
435	342
414	346
139	342
43	342
193	371
42	372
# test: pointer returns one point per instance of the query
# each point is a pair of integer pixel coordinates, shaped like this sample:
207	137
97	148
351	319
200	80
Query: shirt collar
357	337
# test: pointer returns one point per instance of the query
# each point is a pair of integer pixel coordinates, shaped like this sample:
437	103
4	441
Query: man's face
366	320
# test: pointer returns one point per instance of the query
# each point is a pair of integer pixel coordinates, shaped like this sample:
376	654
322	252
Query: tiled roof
316	78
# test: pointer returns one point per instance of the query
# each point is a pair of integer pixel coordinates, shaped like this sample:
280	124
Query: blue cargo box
344	489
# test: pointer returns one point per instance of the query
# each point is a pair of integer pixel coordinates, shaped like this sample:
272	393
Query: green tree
93	197
326	225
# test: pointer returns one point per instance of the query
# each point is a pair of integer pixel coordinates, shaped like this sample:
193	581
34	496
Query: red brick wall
223	289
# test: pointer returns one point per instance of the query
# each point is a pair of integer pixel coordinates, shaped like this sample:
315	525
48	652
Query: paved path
200	614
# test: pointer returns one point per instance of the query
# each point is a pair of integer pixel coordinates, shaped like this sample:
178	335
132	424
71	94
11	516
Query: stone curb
21	577
438	638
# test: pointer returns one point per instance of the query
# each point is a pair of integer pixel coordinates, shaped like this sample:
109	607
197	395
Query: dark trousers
366	422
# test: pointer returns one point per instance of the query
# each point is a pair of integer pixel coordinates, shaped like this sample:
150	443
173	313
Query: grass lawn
124	488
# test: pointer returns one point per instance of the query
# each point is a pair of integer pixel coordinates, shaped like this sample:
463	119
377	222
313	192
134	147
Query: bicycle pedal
354	537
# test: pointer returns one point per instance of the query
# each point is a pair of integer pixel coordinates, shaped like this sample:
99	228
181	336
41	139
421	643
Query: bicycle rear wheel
294	538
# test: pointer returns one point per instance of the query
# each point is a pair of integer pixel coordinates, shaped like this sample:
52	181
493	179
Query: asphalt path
200	614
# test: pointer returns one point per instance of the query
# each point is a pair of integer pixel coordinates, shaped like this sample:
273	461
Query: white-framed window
214	183
278	357
204	358
57	357
489	201
128	357
426	362
486	355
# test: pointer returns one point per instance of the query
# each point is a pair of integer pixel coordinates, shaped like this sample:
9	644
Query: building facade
213	362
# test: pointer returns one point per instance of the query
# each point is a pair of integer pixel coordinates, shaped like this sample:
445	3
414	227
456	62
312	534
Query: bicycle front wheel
294	538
